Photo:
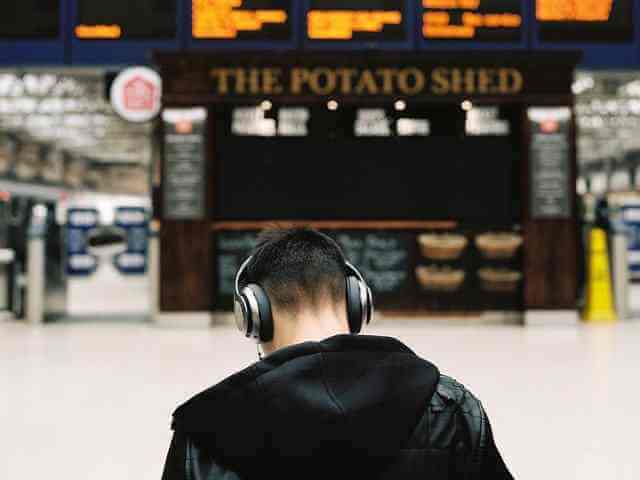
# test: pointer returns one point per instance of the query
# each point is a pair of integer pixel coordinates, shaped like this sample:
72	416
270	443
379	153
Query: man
324	402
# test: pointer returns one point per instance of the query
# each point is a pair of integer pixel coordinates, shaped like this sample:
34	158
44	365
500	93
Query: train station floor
93	400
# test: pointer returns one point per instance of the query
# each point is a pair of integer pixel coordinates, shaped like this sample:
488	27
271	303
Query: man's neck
307	326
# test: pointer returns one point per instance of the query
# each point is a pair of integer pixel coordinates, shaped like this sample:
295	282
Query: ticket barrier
38	288
36	273
7	259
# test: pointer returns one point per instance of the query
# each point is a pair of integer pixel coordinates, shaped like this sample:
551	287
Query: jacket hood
356	394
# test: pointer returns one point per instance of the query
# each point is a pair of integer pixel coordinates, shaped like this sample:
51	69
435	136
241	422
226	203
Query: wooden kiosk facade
388	201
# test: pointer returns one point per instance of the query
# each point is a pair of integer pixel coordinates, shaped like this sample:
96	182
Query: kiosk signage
550	162
184	163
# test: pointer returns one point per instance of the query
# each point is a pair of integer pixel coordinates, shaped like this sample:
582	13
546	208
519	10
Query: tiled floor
93	401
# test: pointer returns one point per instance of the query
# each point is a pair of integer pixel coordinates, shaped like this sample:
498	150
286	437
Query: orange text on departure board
574	10
437	22
98	31
342	24
220	19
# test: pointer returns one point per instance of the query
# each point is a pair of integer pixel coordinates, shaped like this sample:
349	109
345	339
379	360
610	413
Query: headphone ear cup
242	314
263	331
370	307
354	305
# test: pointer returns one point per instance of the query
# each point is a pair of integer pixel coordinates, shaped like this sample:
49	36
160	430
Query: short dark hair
298	267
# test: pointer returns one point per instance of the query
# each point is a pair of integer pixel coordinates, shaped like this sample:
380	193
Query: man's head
303	274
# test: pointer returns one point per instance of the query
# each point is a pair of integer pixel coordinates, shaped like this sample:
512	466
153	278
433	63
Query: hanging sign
136	94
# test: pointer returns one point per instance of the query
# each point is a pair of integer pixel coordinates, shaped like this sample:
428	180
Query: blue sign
80	223
135	222
631	219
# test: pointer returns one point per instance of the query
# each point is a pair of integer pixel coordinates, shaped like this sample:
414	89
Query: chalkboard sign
382	258
232	248
184	164
550	162
466	269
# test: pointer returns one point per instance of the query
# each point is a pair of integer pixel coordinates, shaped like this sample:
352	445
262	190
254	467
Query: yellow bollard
599	307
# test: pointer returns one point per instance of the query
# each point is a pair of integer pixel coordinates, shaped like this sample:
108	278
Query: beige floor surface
93	401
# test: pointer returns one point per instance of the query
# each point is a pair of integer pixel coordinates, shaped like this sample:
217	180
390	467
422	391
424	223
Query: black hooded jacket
346	407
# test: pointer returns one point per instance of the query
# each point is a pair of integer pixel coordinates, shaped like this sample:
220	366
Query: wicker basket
438	279
500	280
445	246
499	245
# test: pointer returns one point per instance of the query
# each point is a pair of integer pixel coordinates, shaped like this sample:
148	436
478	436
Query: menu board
382	257
184	192
359	20
256	20
465	269
231	248
125	19
30	19
585	20
472	20
550	161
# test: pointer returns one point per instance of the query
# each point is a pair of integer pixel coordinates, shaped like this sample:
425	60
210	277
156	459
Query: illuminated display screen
125	19
585	20
30	19
257	20
360	20
477	20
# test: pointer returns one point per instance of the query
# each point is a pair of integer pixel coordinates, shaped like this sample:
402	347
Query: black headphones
252	307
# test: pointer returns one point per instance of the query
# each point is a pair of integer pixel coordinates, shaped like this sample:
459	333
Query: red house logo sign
136	94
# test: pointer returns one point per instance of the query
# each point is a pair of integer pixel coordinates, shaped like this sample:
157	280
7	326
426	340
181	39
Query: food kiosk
448	178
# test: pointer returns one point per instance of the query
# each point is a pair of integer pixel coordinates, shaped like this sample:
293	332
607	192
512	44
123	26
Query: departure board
254	20
30	19
585	20
472	20
125	19
359	20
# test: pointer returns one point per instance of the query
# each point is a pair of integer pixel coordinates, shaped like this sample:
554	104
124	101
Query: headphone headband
253	308
241	270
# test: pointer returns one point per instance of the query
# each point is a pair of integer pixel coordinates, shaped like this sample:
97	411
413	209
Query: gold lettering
485	80
346	79
254	81
222	76
367	82
271	81
440	81
463	81
241	81
411	81
299	77
323	81
388	75
510	80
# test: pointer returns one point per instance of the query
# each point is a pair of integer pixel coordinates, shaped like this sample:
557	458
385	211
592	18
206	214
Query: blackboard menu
382	257
550	161
184	164
231	248
465	269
